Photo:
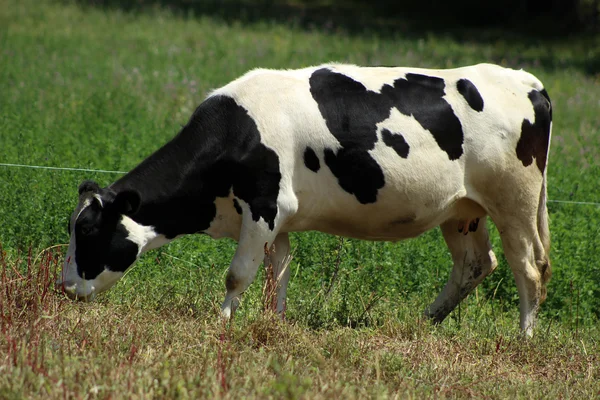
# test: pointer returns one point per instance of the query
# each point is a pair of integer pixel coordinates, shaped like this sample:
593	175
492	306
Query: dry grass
54	348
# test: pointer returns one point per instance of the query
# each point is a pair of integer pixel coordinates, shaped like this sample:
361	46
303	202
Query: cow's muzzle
73	292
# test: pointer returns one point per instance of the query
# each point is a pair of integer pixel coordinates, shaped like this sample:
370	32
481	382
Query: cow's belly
367	228
399	212
417	195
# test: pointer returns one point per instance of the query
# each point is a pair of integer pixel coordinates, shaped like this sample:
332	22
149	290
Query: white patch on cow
227	222
421	141
105	280
69	272
86	204
87	289
144	236
372	80
282	124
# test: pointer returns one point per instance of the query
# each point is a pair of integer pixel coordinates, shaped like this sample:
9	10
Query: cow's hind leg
473	260
527	258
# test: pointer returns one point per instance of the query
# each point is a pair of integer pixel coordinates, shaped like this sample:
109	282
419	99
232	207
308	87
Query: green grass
84	86
175	347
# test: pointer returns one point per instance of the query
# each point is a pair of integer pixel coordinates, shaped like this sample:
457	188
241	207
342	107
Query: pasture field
100	87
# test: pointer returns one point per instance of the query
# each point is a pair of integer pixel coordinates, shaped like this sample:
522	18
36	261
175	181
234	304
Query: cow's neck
179	183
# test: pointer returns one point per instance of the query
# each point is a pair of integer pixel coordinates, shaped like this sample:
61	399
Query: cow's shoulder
245	164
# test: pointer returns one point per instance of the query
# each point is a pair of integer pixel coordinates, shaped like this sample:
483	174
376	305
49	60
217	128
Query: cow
373	153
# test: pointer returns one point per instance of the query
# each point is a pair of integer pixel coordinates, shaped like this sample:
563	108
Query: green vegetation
102	87
174	347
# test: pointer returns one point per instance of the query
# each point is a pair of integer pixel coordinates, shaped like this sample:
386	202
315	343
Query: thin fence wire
104	171
589	203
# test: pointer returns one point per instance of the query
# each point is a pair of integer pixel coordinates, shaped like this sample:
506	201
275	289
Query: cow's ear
127	202
88	186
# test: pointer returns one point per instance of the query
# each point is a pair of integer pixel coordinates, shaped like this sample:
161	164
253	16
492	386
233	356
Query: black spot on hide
535	136
545	94
352	113
470	93
395	141
311	160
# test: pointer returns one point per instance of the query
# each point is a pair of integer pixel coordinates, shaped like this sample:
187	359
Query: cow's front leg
279	257
254	236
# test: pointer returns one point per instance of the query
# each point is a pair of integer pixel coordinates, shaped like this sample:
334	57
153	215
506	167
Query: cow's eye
86	230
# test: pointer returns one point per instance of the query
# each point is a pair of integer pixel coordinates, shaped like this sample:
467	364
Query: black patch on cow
357	172
218	150
311	160
535	136
422	97
237	206
101	240
352	113
395	141
545	94
470	93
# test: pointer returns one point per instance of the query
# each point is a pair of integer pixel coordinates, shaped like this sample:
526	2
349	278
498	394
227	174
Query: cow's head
104	241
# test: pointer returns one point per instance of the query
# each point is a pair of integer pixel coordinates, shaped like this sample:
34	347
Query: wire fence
105	171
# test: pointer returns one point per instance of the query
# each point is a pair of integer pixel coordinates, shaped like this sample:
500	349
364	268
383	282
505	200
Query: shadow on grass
463	21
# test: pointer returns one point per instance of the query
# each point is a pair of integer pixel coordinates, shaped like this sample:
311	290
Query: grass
59	349
102	87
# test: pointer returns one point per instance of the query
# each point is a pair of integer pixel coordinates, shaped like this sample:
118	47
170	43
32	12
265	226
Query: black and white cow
369	153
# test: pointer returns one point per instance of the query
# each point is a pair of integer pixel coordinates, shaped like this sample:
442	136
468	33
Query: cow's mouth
71	290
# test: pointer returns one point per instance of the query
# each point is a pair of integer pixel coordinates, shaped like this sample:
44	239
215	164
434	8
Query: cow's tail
543	222
543	225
